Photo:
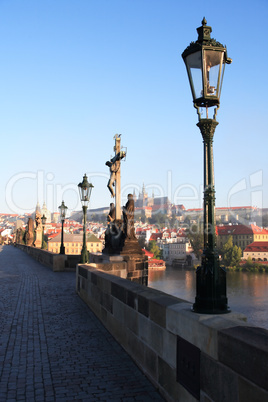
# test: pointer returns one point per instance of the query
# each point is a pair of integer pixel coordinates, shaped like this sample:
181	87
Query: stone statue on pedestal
29	237
38	230
19	236
128	218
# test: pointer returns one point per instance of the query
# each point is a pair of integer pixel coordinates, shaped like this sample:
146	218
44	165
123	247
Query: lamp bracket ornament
207	128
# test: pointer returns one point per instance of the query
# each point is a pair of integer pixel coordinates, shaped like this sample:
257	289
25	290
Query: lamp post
205	61
62	209
85	189
44	220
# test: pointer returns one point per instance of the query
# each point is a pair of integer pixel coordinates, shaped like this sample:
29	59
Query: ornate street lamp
62	209
85	189
44	220
205	61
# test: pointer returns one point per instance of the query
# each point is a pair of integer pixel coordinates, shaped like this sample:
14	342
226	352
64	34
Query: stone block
131	319
104	284
157	308
135	347
144	297
82	271
118	330
94	278
169	348
96	294
107	302
144	332
151	334
188	366
250	392
119	311
118	291
199	329
143	305
167	380
151	362
245	350
103	314
132	299
217	381
156	338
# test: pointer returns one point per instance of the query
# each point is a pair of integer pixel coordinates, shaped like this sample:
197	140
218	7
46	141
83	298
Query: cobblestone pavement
52	347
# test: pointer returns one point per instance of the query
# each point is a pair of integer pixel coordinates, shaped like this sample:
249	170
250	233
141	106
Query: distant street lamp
85	189
44	220
62	209
205	61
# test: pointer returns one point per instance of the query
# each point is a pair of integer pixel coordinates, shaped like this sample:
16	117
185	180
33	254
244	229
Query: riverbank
243	267
259	269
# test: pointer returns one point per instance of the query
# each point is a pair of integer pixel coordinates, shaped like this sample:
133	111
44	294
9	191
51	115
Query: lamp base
211	286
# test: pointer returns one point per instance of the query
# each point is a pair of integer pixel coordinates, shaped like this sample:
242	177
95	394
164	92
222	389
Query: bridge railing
187	356
58	262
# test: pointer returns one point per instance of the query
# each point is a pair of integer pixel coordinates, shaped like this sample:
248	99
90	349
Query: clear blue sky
73	73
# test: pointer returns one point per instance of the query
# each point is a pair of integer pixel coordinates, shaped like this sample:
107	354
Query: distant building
45	212
55	217
176	249
154	205
257	250
73	243
242	235
226	214
154	263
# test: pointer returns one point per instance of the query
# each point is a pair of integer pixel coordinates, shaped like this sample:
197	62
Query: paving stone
53	348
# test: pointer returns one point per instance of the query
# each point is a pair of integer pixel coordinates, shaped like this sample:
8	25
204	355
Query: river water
247	292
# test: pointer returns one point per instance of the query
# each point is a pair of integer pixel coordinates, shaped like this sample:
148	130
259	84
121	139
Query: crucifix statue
115	175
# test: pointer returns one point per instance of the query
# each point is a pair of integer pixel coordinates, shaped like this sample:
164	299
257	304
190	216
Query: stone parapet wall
187	356
58	262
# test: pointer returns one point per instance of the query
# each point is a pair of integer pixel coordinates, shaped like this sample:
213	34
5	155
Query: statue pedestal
132	266
38	239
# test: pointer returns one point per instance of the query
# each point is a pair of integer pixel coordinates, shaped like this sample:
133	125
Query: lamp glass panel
194	67
63	212
212	72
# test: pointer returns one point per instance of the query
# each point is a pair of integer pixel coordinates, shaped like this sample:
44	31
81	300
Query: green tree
140	216
196	238
249	264
159	219
231	255
141	241
153	248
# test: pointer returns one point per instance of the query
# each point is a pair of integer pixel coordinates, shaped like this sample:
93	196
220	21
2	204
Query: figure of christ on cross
115	178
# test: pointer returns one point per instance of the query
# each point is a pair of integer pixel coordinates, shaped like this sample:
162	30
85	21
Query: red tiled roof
148	253
155	236
159	207
234	230
52	235
257	246
223	208
8	214
235	208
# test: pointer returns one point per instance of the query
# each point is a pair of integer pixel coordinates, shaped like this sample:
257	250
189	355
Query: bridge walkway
52	347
